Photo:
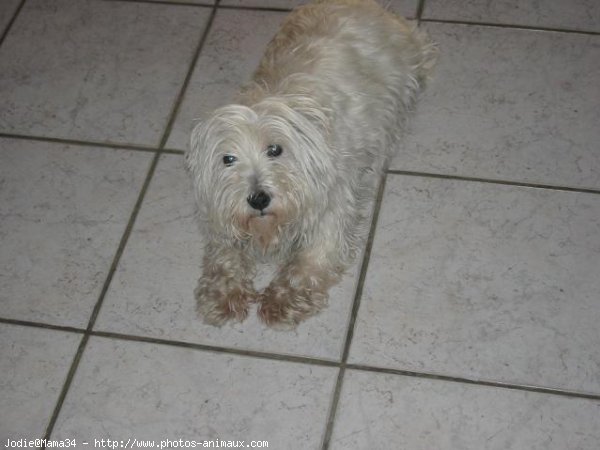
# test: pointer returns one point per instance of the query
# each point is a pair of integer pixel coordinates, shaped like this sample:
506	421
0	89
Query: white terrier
283	175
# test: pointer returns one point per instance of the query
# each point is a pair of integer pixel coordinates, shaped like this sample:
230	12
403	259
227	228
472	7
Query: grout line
98	305
208	5
363	269
494	181
134	147
498	384
164	2
186	81
333	407
11	22
353	315
303	360
420	8
64	390
123	242
257	8
173	151
219	349
126	234
253	8
47	326
511	26
76	142
152	169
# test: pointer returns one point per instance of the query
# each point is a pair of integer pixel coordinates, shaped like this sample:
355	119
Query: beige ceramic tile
63	210
95	70
569	14
33	367
128	390
388	411
484	281
509	104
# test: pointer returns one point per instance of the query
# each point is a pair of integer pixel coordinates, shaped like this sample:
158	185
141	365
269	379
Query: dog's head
262	173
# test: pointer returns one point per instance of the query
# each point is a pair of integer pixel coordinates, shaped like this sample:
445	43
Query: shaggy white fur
283	174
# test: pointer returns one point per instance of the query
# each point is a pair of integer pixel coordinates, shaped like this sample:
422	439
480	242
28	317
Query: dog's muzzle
259	200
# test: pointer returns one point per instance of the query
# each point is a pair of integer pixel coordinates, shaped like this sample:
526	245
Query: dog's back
354	37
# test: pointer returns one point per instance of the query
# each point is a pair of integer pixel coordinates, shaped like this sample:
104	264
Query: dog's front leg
225	289
299	290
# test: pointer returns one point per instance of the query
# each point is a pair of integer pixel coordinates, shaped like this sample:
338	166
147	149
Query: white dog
283	175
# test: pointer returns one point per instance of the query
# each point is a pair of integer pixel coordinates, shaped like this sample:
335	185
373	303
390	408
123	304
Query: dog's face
262	173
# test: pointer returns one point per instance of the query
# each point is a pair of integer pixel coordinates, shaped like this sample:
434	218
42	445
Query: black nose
259	200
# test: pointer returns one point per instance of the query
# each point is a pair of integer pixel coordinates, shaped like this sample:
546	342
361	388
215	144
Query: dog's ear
206	136
304	114
203	141
193	158
204	155
196	155
307	127
191	155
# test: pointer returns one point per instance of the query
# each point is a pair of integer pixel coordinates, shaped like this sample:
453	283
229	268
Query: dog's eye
274	150
228	160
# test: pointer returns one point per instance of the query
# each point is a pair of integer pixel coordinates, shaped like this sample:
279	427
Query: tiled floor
470	323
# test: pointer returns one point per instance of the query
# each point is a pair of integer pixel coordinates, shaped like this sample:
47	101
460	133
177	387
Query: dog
284	174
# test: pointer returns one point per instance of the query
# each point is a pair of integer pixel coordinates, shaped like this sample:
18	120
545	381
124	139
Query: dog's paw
277	315
216	307
283	307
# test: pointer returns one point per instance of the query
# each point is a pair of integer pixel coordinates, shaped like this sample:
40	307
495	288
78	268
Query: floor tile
569	14
33	366
152	291
100	71
233	49
484	281
162	392
510	104
64	210
7	10
379	411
